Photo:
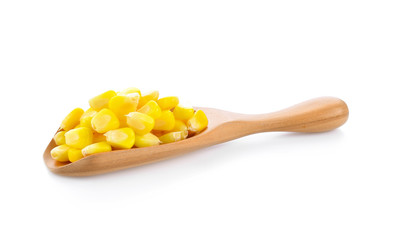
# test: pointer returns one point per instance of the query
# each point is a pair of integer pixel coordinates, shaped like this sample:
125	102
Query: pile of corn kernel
123	120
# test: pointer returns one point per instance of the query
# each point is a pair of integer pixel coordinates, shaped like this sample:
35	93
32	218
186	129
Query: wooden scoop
316	115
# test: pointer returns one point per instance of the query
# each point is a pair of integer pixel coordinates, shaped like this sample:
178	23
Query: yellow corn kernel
129	90
99	137
171	137
183	113
124	104
79	137
72	119
74	154
151	108
184	134
101	101
96	148
165	122
122	138
85	120
60	138
197	122
146	140
104	120
167	103
179	126
140	123
153	95
59	153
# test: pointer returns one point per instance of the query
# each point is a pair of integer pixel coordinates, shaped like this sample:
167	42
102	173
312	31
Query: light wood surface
316	115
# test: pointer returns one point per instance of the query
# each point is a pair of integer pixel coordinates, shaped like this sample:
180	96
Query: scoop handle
316	115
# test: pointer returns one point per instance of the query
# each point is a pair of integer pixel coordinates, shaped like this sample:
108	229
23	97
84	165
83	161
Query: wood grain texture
316	115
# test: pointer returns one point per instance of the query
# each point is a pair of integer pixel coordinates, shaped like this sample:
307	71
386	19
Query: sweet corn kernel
179	126
184	134
104	121
101	101
99	137
153	95
183	113
72	119
85	120
129	90
167	103
140	123
59	153
79	137
122	138
165	122
96	148
74	154
60	138
146	140
171	137
124	104
151	108
197	122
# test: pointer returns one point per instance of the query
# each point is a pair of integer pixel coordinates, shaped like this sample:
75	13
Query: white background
242	56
